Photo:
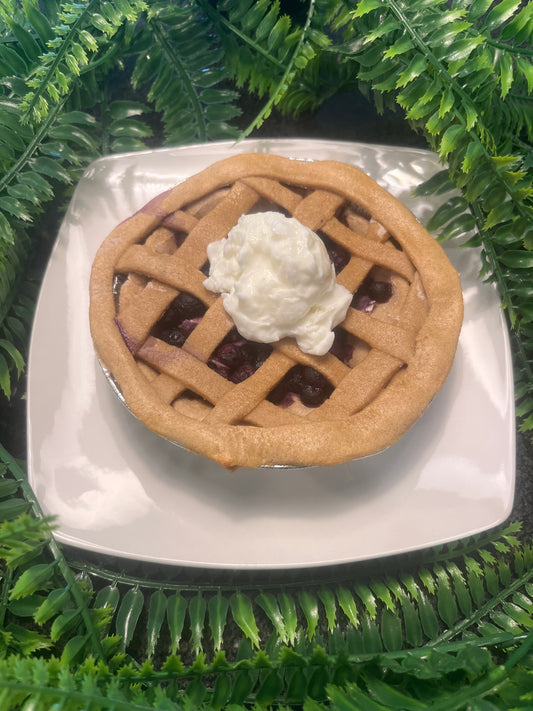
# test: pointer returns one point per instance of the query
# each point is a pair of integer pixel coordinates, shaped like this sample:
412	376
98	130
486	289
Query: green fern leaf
128	615
218	607
176	611
309	606
14	354
5	377
156	614
242	611
30	581
269	604
185	75
197	613
80	29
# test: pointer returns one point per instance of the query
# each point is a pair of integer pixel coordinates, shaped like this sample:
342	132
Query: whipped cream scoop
276	280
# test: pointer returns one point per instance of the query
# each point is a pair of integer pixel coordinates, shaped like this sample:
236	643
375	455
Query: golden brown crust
406	347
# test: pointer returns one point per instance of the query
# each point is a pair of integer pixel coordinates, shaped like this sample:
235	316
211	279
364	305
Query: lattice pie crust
396	352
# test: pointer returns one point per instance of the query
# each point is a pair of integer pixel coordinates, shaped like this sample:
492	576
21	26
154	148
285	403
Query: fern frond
505	261
257	39
49	571
452	72
37	161
464	590
268	53
483	684
16	306
464	673
184	73
298	59
81	29
122	126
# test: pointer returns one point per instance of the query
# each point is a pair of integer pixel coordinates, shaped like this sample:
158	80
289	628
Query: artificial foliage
78	80
453	632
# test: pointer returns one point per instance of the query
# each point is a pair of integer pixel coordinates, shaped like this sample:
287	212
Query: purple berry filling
241	373
304	382
342	348
380	291
179	320
236	358
179	238
131	344
370	293
230	355
338	256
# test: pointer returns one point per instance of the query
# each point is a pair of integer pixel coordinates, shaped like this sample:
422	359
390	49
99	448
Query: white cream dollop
277	280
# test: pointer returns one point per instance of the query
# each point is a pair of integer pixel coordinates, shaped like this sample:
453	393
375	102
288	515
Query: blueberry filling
179	238
304	382
338	256
342	348
236	358
370	293
179	320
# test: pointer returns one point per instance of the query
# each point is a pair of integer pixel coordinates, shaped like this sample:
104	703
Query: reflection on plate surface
118	488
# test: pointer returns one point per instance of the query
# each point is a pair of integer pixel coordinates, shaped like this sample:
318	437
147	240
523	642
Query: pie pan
119	489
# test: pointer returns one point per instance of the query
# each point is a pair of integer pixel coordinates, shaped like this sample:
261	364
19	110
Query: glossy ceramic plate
119	489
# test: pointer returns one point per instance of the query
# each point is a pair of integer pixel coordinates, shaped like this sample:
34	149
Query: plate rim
68	539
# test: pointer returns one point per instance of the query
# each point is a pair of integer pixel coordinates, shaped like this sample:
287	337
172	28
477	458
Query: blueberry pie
160	313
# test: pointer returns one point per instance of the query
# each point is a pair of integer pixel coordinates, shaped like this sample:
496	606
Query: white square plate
119	489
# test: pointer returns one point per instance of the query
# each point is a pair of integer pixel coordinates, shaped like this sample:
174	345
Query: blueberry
241	373
279	393
181	316
362	302
307	383
342	348
248	352
262	352
172	317
236	359
294	379
188	325
220	368
174	337
233	336
312	395
338	256
312	377
230	355
380	291
189	305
